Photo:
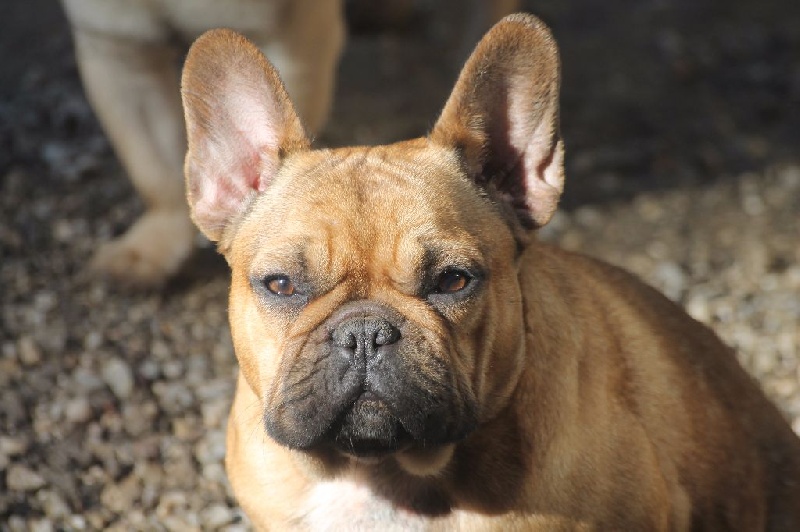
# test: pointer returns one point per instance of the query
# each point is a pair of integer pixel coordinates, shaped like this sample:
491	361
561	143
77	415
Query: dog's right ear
240	124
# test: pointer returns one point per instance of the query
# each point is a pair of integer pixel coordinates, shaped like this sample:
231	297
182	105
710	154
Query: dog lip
369	451
367	446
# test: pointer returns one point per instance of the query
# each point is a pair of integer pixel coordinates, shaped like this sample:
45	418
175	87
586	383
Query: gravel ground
682	124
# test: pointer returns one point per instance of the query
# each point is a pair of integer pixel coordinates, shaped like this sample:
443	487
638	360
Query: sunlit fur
598	404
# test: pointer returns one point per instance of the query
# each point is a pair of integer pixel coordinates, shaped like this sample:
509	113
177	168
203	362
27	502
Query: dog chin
369	435
369	430
416	461
425	462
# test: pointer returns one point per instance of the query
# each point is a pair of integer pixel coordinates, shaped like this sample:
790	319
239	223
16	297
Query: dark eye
280	285
452	280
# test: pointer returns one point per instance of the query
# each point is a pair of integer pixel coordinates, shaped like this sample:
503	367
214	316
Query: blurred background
682	125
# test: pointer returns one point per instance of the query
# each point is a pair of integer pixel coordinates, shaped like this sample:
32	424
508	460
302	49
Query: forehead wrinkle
287	256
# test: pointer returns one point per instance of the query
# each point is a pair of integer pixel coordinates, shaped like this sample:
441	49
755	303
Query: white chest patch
346	506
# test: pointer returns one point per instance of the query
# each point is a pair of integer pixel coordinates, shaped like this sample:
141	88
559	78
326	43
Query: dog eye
280	285
452	280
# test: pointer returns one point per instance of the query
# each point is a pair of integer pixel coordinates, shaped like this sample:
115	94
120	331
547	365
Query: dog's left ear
240	124
502	117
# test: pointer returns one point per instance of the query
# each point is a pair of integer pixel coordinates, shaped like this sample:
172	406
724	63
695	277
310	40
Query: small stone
96	521
40	525
649	208
92	340
12	446
118	376
235	528
53	504
45	301
78	410
138	418
179	523
671	279
29	352
211	448
186	428
697	307
120	497
790	177
62	230
171	502
160	350
215	472
214	413
173	397
588	217
86	381
172	369
149	370
75	522
216	516
21	478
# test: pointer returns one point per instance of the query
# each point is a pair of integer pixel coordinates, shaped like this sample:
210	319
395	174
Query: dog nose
362	338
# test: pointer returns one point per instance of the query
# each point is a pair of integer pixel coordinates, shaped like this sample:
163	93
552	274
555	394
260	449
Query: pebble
22	478
236	528
13	445
172	369
171	502
29	352
78	410
173	397
86	380
121	496
75	522
137	419
211	447
216	516
40	525
118	376
670	279
215	412
55	507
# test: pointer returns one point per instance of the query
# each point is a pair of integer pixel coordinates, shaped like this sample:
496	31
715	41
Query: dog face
375	307
363	311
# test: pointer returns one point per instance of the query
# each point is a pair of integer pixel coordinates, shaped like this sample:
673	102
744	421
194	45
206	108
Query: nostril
385	334
345	337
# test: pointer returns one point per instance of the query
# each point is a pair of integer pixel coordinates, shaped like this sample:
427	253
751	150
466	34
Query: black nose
363	338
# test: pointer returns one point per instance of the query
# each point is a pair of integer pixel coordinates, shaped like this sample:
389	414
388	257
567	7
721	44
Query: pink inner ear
240	156
229	180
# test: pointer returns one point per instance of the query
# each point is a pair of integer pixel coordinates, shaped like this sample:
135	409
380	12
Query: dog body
412	358
129	54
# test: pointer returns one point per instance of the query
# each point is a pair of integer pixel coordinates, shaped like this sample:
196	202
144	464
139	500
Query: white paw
150	252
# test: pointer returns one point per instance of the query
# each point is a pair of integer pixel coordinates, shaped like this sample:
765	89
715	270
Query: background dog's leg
308	70
133	87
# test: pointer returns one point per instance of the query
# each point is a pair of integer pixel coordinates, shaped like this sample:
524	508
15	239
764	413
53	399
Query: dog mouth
368	430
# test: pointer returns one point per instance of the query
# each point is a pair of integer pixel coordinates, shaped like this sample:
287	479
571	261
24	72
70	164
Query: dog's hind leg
133	87
306	54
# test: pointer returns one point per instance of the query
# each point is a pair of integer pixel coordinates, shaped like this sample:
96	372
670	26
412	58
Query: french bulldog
129	52
412	358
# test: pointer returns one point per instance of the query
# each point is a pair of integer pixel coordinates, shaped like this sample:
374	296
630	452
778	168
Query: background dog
129	54
412	357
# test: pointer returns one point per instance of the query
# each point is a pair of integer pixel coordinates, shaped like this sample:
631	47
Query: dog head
375	306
